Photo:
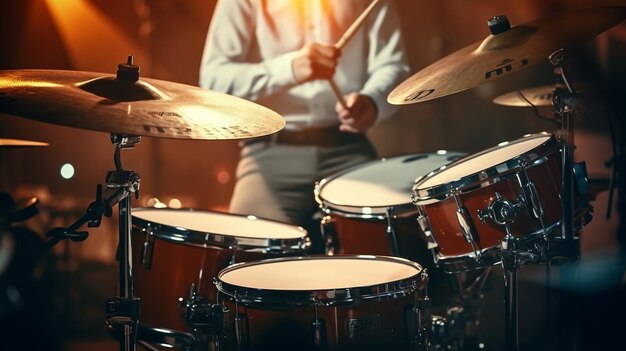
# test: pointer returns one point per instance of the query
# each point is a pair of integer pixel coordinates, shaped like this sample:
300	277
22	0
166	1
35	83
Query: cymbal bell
16	143
505	53
147	107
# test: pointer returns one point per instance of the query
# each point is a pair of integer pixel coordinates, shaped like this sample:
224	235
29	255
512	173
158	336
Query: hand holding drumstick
357	114
318	61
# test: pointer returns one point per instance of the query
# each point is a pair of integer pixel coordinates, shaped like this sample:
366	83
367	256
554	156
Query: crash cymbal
535	96
15	143
505	53
146	107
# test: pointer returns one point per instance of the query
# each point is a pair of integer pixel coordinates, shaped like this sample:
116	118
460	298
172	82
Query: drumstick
337	92
355	26
342	42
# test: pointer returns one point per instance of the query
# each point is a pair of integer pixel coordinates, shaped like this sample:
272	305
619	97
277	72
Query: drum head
372	188
471	170
329	280
206	228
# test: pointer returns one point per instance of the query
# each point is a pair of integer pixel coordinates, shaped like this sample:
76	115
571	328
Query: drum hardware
329	235
127	108
502	211
469	233
369	201
505	53
564	108
391	233
239	327
147	249
205	319
321	312
319	330
187	298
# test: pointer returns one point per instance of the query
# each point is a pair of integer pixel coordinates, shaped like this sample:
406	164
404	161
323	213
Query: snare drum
366	202
350	302
468	207
177	251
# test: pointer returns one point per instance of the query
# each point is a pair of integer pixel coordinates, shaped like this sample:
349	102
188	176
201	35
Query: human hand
315	61
360	115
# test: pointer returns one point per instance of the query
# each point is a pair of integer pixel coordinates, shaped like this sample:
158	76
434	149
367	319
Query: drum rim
487	176
380	212
196	238
323	297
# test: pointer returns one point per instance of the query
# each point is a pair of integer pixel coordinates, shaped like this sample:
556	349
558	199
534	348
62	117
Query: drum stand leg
509	268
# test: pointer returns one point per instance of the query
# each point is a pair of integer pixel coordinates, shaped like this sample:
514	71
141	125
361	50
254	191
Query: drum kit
208	280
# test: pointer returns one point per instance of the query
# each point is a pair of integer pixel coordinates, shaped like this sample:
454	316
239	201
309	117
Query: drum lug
467	228
318	327
147	250
329	233
431	243
535	200
465	224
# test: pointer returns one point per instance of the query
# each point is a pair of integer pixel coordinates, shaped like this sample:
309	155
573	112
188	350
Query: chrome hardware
329	234
233	257
147	250
319	330
424	224
391	234
465	222
535	200
501	211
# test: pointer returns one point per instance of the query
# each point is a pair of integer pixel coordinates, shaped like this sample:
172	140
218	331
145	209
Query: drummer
281	54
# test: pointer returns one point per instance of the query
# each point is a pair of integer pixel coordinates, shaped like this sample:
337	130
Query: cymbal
14	143
505	53
535	96
147	107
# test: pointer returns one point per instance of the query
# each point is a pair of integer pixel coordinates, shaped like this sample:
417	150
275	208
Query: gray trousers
276	181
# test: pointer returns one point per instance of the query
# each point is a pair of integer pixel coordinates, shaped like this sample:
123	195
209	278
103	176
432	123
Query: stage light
67	171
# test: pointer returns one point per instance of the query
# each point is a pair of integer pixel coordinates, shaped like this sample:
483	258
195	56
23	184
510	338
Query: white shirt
251	44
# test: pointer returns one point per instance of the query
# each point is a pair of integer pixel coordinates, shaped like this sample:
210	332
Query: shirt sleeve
226	65
387	61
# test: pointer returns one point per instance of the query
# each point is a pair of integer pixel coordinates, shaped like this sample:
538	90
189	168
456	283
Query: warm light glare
223	177
442	152
91	39
12	83
174	203
156	203
504	143
67	171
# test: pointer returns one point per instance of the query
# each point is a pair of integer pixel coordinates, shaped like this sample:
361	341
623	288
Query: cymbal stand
122	312
564	106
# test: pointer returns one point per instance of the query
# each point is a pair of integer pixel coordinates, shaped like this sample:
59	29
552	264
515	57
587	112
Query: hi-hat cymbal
502	54
147	107
15	143
535	96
